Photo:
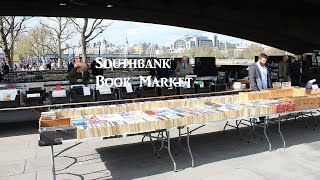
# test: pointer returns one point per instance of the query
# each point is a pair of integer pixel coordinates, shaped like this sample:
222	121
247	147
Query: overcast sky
144	32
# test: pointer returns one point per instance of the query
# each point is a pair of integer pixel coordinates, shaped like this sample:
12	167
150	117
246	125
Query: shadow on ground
137	160
130	161
19	128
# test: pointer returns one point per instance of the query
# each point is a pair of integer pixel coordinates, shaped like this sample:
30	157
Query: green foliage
36	42
206	52
251	51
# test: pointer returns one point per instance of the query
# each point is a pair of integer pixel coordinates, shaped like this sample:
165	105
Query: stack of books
135	120
130	118
304	102
118	108
48	116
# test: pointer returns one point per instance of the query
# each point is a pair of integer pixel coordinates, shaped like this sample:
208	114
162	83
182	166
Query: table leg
153	146
162	144
188	143
169	150
279	129
179	134
265	124
314	121
53	164
143	137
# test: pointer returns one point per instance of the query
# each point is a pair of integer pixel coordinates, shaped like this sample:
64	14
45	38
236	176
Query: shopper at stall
5	69
49	66
70	67
283	69
79	74
295	72
94	70
184	68
259	74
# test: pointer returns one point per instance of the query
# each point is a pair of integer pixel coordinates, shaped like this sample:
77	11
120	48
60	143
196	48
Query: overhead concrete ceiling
289	25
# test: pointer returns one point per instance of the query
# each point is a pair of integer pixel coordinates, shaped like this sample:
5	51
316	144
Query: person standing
184	68
283	69
259	74
49	66
79	74
70	67
94	70
295	72
6	69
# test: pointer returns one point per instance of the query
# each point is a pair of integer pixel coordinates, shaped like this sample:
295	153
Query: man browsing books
259	74
184	68
79	74
283	69
260	78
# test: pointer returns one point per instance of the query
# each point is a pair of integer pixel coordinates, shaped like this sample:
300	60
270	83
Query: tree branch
78	28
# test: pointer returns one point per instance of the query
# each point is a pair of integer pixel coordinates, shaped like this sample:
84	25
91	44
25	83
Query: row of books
304	102
119	119
162	118
118	108
277	93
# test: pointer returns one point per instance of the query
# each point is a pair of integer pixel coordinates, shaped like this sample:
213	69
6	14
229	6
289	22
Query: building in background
189	42
216	43
139	49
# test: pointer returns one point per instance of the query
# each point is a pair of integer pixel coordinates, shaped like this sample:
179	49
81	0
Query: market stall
74	125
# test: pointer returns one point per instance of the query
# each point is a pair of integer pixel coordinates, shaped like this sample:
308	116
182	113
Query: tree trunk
8	57
60	56
11	64
84	48
84	39
5	47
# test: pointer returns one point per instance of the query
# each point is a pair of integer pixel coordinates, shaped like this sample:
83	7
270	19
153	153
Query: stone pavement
217	156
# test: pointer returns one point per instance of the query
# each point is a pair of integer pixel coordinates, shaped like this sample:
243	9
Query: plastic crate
105	97
187	91
59	100
11	104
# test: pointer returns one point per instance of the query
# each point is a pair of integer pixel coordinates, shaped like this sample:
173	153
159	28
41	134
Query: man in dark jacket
70	67
6	69
259	74
95	71
79	75
283	69
260	78
295	72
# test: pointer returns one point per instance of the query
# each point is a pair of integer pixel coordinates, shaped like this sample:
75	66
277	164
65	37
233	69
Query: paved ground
217	156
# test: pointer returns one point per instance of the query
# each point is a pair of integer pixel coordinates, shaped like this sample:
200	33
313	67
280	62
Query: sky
137	32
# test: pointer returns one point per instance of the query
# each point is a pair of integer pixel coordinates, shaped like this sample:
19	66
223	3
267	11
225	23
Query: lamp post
99	45
105	43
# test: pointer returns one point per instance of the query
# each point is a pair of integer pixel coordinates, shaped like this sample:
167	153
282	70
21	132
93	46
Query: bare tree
88	32
60	33
37	42
10	28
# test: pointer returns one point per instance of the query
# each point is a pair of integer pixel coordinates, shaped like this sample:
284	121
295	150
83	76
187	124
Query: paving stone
47	175
282	168
12	168
239	174
201	171
15	155
61	162
87	171
28	176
